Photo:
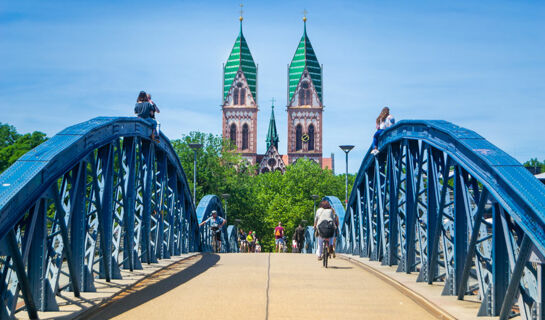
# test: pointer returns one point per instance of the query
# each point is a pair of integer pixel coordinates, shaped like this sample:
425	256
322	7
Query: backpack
326	229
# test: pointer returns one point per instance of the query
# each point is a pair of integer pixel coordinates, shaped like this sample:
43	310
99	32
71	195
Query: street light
195	147
225	197
346	149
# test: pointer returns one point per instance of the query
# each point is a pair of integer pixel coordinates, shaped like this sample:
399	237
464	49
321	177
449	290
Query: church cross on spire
241	17
272	134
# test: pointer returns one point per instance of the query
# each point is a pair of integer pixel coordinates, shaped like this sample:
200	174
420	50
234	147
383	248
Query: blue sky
479	64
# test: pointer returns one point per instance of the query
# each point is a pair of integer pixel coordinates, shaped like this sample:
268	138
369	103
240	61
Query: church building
304	108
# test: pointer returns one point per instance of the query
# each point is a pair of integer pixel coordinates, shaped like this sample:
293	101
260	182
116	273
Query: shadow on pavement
335	267
154	290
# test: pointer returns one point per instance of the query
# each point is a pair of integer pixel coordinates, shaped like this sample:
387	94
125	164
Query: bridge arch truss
442	201
96	198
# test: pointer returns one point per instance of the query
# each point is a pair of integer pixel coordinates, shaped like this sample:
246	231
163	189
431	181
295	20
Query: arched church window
311	137
233	134
245	136
304	94
235	96
242	96
239	94
298	137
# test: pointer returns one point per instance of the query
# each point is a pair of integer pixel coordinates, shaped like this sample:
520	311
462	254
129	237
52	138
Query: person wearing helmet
216	223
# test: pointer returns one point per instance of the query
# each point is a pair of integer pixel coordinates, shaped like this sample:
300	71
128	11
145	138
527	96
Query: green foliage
259	201
13	145
535	164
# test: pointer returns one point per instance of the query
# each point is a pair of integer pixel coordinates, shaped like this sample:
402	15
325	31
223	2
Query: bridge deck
263	286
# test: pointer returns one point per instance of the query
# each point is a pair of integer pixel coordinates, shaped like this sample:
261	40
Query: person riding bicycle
279	237
324	223
216	223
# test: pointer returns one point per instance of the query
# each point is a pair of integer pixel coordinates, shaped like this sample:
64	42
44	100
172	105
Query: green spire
272	135
240	59
304	58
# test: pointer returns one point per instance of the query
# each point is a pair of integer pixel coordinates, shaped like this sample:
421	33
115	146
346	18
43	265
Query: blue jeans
153	124
376	136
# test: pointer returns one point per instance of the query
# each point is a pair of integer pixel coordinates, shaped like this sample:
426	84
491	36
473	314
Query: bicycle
216	242
282	246
325	251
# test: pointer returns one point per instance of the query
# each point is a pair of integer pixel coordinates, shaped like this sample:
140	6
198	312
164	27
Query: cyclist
216	223
251	241
324	222
279	237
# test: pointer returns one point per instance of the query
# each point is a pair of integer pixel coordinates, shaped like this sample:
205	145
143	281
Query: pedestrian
242	240
143	109
251	241
299	237
384	121
279	237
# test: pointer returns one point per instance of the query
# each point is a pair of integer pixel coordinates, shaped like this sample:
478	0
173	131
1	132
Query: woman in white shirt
324	214
384	121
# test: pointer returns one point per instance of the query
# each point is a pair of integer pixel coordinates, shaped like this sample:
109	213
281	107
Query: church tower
305	105
240	99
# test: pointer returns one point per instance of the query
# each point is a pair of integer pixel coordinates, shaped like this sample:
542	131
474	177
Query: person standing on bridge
143	109
384	121
279	236
299	237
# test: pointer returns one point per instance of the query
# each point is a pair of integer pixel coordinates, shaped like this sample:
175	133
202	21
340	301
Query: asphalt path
262	286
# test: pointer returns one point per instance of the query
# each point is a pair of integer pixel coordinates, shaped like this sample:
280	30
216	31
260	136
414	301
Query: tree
259	201
535	166
14	145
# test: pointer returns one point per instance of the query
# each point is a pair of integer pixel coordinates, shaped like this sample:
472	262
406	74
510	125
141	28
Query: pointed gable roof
240	59
272	134
304	58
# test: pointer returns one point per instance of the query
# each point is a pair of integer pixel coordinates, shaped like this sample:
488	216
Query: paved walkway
262	286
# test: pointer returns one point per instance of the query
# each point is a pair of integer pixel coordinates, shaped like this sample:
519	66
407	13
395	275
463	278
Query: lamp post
195	147
225	197
346	149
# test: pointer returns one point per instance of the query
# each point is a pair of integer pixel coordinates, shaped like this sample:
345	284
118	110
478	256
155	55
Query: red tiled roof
285	159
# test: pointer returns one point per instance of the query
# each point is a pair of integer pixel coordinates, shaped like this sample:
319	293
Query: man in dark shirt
299	237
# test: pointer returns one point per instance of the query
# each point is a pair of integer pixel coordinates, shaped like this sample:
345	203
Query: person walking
143	109
383	122
279	236
299	237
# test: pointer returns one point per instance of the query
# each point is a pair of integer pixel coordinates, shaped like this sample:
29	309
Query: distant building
304	108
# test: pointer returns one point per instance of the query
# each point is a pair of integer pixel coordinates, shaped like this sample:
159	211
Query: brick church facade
304	108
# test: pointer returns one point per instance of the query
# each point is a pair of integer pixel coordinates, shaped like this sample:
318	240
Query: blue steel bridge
438	201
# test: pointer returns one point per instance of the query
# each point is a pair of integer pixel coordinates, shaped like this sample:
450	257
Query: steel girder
97	197
228	233
442	201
